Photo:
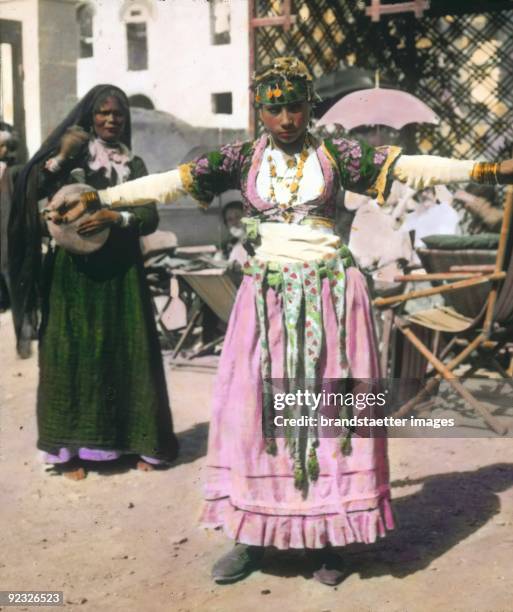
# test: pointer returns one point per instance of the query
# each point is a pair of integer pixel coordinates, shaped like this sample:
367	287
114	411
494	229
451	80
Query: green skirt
102	383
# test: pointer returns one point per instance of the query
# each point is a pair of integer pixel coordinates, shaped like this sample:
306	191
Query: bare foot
71	469
75	474
144	466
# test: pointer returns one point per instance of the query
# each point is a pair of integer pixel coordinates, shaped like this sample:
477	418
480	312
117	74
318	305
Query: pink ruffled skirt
250	493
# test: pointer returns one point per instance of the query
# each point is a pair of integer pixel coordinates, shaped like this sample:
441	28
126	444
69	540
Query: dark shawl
25	231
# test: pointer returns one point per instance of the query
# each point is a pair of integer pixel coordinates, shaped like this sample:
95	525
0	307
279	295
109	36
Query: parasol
378	106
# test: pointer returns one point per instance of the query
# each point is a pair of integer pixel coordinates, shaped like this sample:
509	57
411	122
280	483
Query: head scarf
285	81
24	245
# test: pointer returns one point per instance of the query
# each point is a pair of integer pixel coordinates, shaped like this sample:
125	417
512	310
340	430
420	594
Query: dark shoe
329	567
237	564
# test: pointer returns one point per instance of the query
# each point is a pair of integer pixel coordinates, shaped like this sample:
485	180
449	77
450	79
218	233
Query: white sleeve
163	188
421	171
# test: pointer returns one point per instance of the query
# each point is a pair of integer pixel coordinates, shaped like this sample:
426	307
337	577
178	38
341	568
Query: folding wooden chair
216	289
486	334
467	302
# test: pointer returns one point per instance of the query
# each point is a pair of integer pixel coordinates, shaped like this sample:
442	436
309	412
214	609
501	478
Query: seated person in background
233	249
479	209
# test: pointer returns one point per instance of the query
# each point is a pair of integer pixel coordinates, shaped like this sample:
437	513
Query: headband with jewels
286	81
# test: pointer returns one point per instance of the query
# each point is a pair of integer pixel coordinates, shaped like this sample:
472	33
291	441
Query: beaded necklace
294	185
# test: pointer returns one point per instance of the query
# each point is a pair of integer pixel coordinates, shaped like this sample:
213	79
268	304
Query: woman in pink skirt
302	313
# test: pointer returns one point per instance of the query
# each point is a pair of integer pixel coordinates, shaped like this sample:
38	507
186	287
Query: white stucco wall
184	68
26	11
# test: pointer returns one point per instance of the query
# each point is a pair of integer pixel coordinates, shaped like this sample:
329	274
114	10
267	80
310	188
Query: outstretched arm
72	201
421	171
163	188
203	179
370	170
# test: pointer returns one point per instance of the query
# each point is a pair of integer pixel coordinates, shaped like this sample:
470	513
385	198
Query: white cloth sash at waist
283	242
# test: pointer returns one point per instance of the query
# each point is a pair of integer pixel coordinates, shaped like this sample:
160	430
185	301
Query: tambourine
66	235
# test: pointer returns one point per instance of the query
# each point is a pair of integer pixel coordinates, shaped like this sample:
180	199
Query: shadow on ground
193	443
448	509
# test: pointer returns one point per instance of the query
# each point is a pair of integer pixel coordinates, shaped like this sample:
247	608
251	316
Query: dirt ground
129	541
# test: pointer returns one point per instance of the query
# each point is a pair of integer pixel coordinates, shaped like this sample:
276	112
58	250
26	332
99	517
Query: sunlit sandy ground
128	541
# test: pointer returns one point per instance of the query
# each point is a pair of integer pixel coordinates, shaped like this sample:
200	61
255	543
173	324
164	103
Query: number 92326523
31	598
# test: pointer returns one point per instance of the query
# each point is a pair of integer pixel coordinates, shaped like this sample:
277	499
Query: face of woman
109	120
286	123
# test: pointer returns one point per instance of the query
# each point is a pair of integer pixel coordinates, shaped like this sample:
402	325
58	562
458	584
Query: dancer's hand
98	221
71	202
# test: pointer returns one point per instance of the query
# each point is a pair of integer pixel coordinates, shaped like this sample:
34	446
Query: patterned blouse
347	164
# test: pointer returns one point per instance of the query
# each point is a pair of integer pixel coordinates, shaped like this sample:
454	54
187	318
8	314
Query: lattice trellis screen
460	65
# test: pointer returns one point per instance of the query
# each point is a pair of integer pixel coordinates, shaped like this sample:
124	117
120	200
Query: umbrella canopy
378	106
334	85
342	82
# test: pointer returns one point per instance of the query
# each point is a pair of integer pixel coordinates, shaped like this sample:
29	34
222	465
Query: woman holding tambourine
102	390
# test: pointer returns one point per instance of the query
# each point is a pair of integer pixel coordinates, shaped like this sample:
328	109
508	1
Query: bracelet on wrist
91	200
485	172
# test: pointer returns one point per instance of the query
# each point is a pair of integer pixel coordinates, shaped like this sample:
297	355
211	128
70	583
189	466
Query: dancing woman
302	310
